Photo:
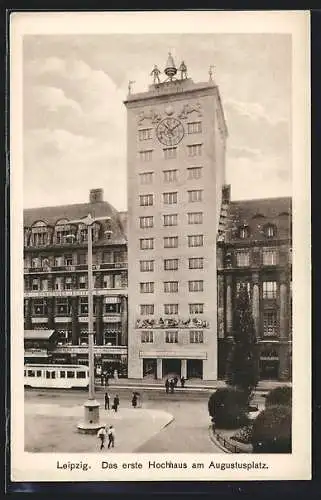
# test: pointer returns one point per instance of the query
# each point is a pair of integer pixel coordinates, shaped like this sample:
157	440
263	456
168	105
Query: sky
74	119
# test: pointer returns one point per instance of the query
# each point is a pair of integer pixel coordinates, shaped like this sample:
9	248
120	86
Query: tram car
56	376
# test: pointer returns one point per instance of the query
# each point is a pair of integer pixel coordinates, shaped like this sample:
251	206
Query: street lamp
91	423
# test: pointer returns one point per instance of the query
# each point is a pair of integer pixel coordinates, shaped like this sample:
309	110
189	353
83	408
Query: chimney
96	195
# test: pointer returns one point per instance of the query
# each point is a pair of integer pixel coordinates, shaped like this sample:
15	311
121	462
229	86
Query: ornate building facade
55	280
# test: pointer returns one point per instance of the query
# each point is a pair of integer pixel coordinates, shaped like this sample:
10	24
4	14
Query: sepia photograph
157	213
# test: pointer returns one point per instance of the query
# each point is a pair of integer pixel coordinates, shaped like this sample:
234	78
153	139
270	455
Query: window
120	257
170	175
146	178
147	309
170	198
39	307
81	374
146	200
196	308
147	287
83	282
171	242
194	173
31	373
195	241
38	373
195	218
269	324
170	308
270	231
170	220
146	265
108	281
147	337
269	289
145	222
243	284
269	257
171	337
170	153
194	127
108	257
195	195
242	259
62	306
244	232
68	283
146	243
195	263
35	284
83	233
82	258
170	286
196	337
68	260
170	264
194	150
145	155
59	284
62	374
83	305
70	374
145	134
195	286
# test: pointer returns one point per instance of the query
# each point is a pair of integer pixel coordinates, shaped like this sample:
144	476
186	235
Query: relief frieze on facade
152	115
143	323
190	108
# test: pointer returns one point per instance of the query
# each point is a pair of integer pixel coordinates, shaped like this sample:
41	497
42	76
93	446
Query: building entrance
149	368
171	367
194	368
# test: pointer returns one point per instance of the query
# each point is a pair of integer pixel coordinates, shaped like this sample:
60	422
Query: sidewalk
53	428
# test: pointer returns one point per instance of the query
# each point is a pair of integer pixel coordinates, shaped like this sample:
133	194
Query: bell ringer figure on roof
183	70
155	74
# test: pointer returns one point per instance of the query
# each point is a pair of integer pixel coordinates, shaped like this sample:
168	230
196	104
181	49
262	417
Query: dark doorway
194	368
171	367
149	368
269	369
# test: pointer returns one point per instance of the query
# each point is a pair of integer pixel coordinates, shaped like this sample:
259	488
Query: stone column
28	323
74	324
229	311
159	372
99	320
256	304
124	320
184	368
283	308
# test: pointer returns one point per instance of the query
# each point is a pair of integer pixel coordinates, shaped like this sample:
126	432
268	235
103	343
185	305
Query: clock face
170	131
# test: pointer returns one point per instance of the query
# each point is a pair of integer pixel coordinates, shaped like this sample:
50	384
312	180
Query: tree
242	364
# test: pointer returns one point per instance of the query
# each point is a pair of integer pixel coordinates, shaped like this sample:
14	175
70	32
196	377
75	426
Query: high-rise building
176	135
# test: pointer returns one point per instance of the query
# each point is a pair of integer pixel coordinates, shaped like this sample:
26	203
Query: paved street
187	433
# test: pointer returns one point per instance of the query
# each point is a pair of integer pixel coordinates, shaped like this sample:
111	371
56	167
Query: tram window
53	374
31	373
81	374
47	374
70	374
38	373
25	372
62	374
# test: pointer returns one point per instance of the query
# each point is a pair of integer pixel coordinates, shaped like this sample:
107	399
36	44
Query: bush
272	430
227	407
244	435
279	396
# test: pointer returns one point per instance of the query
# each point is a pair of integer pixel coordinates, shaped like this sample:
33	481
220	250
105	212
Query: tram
56	376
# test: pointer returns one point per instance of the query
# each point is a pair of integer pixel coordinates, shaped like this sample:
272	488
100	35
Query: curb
215	441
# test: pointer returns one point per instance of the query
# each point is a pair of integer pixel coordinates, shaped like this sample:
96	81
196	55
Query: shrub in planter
244	435
227	407
272	430
279	396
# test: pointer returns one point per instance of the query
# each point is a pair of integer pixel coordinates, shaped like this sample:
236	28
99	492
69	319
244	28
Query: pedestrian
111	436
175	381
107	400
116	403
183	381
134	400
102	379
101	434
167	386
172	385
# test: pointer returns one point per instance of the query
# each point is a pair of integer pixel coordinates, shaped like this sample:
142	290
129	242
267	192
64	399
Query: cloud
253	154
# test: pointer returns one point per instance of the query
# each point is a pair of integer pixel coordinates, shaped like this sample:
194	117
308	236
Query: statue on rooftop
210	72
130	84
155	74
183	70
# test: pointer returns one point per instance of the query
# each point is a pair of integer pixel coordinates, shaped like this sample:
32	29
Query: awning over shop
38	334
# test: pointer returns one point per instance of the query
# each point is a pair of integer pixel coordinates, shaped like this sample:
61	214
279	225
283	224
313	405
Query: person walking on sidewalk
183	381
116	403
107	400
134	400
172	385
101	434
167	386
111	436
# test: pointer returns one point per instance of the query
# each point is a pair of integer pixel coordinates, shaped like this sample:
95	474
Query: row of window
39	234
269	288
63	307
67	283
80	258
194	195
195	240
171	153
50	374
148	309
171	175
171	220
171	337
269	257
172	286
269	231
172	264
145	134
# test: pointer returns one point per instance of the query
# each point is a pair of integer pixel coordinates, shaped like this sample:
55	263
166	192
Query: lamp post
91	422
